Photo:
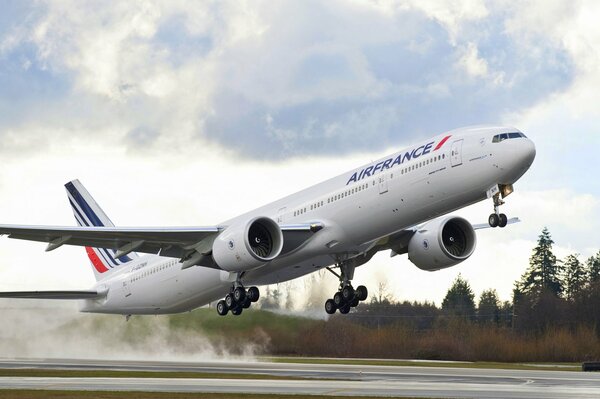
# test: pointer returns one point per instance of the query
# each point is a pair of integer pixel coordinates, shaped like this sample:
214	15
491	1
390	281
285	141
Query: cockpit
507	136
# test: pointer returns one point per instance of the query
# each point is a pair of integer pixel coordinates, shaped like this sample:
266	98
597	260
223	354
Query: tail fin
88	213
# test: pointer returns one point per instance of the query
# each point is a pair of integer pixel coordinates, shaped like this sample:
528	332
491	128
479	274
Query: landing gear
497	219
237	300
347	297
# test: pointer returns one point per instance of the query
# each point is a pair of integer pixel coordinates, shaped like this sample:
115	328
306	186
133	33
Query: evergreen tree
544	272
488	309
575	277
593	269
460	299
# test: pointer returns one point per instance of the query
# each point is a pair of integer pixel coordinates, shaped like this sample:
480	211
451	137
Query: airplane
399	203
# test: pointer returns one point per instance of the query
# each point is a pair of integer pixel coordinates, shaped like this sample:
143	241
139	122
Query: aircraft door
383	184
126	289
281	214
456	155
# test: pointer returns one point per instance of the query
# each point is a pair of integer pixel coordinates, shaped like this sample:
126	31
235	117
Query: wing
173	242
53	294
398	242
487	225
179	242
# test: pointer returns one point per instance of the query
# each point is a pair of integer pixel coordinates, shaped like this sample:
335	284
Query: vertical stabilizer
88	213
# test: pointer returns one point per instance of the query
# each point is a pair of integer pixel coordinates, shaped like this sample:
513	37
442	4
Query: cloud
182	105
271	80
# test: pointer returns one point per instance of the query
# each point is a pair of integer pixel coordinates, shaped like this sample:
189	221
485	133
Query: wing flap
53	294
172	241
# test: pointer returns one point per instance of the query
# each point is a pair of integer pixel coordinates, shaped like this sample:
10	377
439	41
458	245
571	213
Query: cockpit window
505	136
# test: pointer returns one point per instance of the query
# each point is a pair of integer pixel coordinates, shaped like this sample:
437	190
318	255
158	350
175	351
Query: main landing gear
237	300
347	297
497	219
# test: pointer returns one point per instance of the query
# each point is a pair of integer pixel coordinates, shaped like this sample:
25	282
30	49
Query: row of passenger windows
505	136
153	270
422	163
364	186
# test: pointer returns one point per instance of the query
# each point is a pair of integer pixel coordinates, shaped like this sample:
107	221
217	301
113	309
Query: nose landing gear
497	219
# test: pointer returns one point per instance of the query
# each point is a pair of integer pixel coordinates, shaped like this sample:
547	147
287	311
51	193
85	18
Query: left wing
398	242
53	294
487	225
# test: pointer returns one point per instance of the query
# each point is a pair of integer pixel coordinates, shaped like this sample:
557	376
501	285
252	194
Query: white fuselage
357	208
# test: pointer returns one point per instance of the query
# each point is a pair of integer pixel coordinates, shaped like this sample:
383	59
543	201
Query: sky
189	113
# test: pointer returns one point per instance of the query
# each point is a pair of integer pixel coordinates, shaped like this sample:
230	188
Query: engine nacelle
248	246
442	243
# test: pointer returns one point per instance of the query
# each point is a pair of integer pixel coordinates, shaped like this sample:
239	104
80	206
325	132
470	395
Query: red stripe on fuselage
441	143
95	260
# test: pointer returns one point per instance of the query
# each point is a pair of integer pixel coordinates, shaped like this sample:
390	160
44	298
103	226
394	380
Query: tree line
551	293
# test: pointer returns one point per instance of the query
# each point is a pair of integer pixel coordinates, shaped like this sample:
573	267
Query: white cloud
161	100
472	63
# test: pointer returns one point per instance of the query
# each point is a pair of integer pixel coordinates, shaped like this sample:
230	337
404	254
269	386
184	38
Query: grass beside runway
412	363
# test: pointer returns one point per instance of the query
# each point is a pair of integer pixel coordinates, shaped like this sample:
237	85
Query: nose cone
527	153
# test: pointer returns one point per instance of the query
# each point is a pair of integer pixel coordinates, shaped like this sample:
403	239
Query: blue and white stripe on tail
88	213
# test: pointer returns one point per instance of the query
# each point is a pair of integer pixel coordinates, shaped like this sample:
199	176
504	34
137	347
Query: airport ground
70	378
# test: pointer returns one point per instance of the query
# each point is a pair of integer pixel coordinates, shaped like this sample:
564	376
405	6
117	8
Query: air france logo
399	160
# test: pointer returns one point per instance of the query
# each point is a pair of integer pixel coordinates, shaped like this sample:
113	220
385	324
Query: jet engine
247	246
442	243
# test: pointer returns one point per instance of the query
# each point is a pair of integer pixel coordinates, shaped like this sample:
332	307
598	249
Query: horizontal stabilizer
53	294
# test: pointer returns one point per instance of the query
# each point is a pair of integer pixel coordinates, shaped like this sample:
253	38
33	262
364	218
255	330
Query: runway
343	380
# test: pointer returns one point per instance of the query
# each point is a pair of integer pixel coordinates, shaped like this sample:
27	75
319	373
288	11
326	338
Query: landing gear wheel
348	293
229	302
354	303
247	302
494	220
222	308
330	307
345	309
502	220
253	294
239	294
237	311
338	300
361	292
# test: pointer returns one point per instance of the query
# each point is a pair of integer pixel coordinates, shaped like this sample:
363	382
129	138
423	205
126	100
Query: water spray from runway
58	330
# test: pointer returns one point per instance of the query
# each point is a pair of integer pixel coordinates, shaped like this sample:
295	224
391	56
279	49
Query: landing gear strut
347	297
497	219
238	299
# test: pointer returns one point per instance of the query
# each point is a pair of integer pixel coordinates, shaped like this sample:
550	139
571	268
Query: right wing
193	245
173	242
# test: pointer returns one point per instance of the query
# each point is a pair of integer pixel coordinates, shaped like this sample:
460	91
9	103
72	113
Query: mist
34	329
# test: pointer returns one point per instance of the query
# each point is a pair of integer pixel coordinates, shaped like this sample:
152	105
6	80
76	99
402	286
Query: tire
330	307
354	302
348	293
361	292
229	301
253	294
338	300
239	294
222	308
494	220
503	220
247	303
345	309
237	311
